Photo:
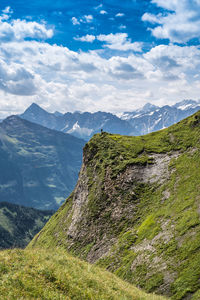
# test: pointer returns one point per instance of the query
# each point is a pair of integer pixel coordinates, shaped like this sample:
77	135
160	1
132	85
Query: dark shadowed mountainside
39	167
19	224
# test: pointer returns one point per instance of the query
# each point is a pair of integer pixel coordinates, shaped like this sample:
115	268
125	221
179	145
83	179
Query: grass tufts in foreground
41	274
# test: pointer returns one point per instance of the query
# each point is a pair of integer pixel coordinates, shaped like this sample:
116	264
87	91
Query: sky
93	55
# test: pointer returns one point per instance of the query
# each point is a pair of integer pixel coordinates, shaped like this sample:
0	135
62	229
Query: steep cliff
135	209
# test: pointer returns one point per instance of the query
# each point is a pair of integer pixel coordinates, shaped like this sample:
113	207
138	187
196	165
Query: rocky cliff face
135	209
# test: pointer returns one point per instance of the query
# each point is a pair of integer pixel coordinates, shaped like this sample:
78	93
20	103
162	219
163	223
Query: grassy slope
157	238
19	224
38	274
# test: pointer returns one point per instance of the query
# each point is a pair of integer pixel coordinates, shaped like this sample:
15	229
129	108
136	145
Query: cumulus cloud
87	38
60	79
180	24
6	13
124	71
14	79
75	21
154	19
119	41
83	19
174	63
21	29
86	19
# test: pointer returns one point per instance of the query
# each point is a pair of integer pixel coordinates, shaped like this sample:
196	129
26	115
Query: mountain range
39	166
135	209
84	125
152	118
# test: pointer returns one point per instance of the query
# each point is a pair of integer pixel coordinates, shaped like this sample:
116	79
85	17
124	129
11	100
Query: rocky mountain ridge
135	209
152	118
82	125
141	121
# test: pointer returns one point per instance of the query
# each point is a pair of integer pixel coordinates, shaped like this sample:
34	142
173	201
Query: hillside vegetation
39	166
38	274
19	224
135	209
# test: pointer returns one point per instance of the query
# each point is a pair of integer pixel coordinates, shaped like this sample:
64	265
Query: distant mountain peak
186	104
34	107
140	121
148	107
12	119
58	114
33	112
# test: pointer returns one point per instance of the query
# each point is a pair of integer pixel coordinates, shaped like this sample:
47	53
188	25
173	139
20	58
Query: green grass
41	274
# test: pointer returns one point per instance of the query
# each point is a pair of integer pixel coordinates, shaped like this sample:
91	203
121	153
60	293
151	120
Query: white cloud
86	19
180	24
14	79
120	15
64	80
122	27
7	10
83	19
60	79
103	12
87	38
152	18
119	41
99	6
20	29
75	21
6	13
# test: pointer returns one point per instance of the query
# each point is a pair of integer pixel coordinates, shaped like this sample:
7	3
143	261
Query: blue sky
59	14
98	55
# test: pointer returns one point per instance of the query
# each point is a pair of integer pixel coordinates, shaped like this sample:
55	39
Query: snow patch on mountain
80	131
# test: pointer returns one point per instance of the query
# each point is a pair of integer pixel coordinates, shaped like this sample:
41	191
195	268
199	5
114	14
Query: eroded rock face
80	198
85	228
158	171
